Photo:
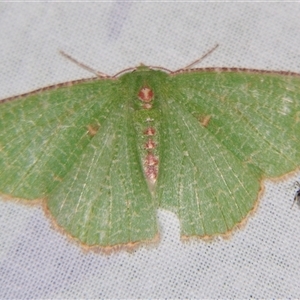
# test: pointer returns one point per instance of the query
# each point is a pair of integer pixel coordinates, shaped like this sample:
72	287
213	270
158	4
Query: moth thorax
145	94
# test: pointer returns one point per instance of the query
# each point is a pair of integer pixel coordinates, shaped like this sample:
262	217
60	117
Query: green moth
104	154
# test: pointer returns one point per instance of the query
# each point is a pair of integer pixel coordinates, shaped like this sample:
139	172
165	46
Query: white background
262	260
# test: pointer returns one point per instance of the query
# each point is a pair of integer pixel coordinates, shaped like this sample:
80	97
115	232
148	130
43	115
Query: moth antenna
201	58
124	71
80	64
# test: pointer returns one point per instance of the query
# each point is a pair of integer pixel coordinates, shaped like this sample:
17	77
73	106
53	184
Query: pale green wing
43	133
224	133
75	146
104	200
84	149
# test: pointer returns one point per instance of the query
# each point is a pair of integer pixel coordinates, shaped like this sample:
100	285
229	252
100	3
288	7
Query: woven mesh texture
260	261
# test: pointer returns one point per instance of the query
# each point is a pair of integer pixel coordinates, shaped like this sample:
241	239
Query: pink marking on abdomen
150	144
149	131
151	159
151	173
146	95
